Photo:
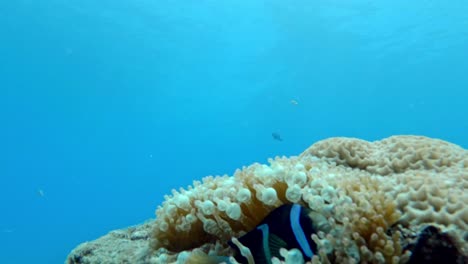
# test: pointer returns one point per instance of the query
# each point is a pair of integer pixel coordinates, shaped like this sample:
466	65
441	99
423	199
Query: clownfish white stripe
265	239
297	230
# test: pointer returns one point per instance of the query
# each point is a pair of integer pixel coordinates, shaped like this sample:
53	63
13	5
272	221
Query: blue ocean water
106	106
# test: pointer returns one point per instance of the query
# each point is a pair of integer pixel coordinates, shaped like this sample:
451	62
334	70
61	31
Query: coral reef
129	245
378	197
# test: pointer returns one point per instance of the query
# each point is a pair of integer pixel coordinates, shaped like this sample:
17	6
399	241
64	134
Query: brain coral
376	196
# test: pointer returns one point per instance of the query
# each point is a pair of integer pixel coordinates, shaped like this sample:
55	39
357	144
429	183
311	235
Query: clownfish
288	226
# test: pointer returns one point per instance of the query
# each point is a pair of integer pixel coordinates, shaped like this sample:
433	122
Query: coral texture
129	245
375	195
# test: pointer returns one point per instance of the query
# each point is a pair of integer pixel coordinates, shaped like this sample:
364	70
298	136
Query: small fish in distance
276	136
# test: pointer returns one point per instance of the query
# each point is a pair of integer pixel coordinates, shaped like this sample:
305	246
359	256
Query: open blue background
105	106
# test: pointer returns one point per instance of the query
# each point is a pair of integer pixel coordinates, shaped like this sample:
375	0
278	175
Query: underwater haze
106	106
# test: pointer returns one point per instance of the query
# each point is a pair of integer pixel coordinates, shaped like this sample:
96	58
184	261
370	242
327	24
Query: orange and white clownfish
288	226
